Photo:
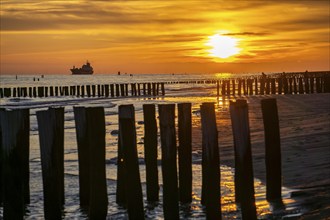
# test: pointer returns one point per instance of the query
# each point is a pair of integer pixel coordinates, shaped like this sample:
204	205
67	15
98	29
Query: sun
222	46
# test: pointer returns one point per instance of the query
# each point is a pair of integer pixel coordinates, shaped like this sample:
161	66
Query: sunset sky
164	36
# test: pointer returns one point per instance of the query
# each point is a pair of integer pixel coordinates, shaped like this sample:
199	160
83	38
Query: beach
304	121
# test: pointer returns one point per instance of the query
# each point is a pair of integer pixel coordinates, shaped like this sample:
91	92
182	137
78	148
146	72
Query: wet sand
305	145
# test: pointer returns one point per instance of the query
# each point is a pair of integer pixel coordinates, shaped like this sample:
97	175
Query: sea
174	93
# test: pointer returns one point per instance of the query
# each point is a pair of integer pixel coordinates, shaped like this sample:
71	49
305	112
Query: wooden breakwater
104	90
279	83
90	132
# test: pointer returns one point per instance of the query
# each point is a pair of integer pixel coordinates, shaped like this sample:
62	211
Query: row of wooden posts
237	86
105	90
177	183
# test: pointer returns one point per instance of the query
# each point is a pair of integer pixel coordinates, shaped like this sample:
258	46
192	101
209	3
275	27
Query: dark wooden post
82	91
83	155
290	85
1	92
280	85
243	158
306	79
169	168
285	85
98	199
218	88
1	155
150	151
56	91
144	89
273	149
185	149
267	85
233	87
301	88
127	130
210	163
228	87
250	86
88	90
30	92
139	89
239	87
154	89
256	86
51	137
149	88
262	86
98	90
14	92
106	89
14	153
122	89
126	89
93	90
295	91
223	87
312	84
40	91
273	86
112	91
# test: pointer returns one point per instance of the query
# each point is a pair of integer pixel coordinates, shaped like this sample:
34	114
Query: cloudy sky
164	36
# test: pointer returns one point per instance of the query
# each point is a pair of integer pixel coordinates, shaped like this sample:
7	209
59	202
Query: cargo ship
86	69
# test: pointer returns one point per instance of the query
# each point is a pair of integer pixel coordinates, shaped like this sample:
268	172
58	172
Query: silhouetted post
185	148
267	86
122	89
300	86
312	84
99	90
273	86
83	155
262	86
98	200
78	90
144	89
318	87
233	87
1	155
243	159
132	89
244	85
1	92
51	137
154	89
51	91
273	149
106	88
239	87
250	86
88	90
228	87
218	88
290	85
14	92
134	199
56	91
280	85
285	85
15	129
149	88
210	163
306	79
112	91
223	87
30	92
256	86
126	89
82	91
66	90
139	89
295	90
150	151
93	90
40	91
169	169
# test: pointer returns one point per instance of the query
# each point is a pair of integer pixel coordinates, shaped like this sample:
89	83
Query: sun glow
222	46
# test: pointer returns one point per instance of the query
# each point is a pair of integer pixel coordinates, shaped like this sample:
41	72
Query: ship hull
81	72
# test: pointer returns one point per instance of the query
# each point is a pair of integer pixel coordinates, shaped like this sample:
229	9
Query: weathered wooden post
98	199
139	89
185	149
134	198
40	91
15	190
14	92
256	86
149	88
285	85
218	88
144	89
280	85
51	137
306	80
223	87
273	149
290	85
210	163
30	92
126	89
268	86
83	155
1	92
98	90
312	84
169	168
150	151
243	159
250	86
